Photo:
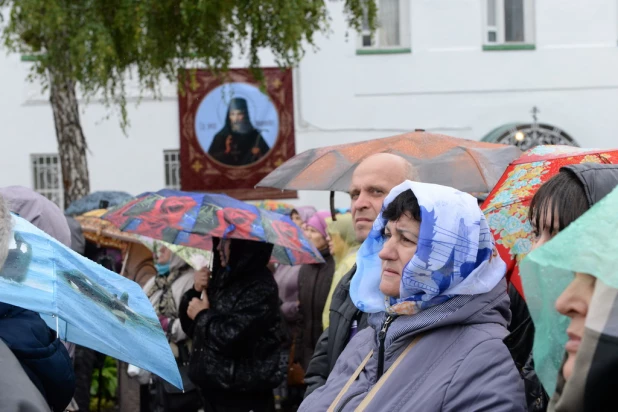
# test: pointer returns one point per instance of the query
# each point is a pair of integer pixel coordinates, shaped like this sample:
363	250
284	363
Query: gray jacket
17	392
460	364
334	339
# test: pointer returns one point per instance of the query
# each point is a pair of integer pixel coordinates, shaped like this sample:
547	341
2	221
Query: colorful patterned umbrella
467	165
190	219
506	207
275	206
104	233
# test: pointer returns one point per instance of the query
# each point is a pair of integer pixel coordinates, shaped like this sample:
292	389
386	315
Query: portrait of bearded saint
238	143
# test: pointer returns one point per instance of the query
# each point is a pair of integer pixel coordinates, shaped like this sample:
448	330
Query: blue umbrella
84	302
97	200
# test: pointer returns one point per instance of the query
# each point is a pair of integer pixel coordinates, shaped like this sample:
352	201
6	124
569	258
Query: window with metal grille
172	169
47	177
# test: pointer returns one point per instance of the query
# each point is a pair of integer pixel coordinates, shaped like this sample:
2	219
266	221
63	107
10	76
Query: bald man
372	180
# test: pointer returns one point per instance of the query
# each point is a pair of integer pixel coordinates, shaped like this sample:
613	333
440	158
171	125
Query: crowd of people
410	310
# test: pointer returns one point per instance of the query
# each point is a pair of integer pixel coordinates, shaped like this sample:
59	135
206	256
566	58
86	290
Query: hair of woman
563	195
405	203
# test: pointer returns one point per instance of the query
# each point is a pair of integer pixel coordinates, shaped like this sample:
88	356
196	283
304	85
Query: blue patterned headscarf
455	254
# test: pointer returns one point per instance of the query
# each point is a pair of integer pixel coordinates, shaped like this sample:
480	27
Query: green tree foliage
97	43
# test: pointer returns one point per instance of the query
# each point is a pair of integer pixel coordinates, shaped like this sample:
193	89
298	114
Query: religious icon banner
233	133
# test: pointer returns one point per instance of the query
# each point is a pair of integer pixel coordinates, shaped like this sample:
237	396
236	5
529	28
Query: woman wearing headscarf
587	375
343	246
434	288
313	285
300	215
235	328
165	290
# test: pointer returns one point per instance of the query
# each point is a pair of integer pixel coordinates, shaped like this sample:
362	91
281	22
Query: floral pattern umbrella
506	207
104	233
275	206
191	219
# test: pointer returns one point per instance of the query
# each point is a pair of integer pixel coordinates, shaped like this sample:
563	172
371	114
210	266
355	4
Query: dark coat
519	342
335	338
236	342
313	286
42	356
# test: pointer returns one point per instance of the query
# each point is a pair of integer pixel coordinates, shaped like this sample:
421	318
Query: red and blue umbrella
192	219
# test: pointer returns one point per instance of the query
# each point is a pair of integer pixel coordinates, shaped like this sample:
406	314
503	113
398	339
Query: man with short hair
372	180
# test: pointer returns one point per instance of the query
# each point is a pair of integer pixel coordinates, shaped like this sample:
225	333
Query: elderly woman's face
162	255
574	303
401	241
318	240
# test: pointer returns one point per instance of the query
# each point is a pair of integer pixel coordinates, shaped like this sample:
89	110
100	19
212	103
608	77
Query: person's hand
196	306
201	278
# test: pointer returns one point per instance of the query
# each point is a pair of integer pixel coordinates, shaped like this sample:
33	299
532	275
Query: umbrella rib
502	205
467	150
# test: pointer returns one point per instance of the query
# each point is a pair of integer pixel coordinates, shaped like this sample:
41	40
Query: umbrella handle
333	212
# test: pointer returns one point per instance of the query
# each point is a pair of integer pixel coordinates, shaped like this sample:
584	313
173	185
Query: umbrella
274	206
506	207
85	303
190	219
588	245
466	165
104	233
97	200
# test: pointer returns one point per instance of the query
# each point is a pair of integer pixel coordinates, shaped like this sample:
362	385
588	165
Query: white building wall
448	84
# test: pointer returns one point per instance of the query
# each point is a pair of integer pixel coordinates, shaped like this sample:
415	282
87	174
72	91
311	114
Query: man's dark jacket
335	338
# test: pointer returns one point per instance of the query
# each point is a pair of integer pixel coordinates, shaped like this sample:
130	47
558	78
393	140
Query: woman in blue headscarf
434	288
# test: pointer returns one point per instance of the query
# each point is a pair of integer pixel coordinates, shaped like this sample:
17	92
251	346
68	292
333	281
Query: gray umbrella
97	200
467	165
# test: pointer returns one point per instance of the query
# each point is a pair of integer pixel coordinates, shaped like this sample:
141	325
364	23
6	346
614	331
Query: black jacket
313	286
335	338
519	341
236	343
